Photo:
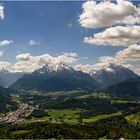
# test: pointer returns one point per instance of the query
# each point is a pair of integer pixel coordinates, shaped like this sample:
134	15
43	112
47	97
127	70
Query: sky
81	34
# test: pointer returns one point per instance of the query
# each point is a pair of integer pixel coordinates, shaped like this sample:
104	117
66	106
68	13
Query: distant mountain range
67	78
58	79
112	74
7	78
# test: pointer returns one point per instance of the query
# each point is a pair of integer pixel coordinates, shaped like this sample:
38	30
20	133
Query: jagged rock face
7	78
111	74
47	69
56	78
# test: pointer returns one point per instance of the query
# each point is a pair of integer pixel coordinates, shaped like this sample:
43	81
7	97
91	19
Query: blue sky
54	28
53	24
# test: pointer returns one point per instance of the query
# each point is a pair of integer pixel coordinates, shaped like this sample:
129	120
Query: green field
20	132
68	113
133	118
57	116
99	117
70	116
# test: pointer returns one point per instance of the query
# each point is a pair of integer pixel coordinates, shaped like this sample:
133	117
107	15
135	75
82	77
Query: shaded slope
129	87
47	79
6	103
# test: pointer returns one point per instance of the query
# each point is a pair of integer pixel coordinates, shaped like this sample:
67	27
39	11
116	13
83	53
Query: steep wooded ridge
128	87
6	103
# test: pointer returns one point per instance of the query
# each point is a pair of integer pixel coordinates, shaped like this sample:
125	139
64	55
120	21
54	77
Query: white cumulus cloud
4	64
116	36
132	53
1	53
5	42
106	59
33	43
107	13
28	63
23	57
1	12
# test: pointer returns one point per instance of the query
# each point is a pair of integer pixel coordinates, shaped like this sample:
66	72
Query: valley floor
17	116
94	115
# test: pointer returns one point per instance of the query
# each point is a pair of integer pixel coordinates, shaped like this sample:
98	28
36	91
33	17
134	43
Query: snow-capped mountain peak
61	67
112	73
53	68
108	73
45	69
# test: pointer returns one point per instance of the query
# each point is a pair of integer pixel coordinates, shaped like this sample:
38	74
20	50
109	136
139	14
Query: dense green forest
6	103
111	128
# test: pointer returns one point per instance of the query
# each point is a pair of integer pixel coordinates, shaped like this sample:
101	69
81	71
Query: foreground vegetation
76	115
113	127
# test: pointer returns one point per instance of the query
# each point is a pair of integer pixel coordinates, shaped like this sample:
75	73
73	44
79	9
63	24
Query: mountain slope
111	74
55	79
7	78
6	103
129	87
